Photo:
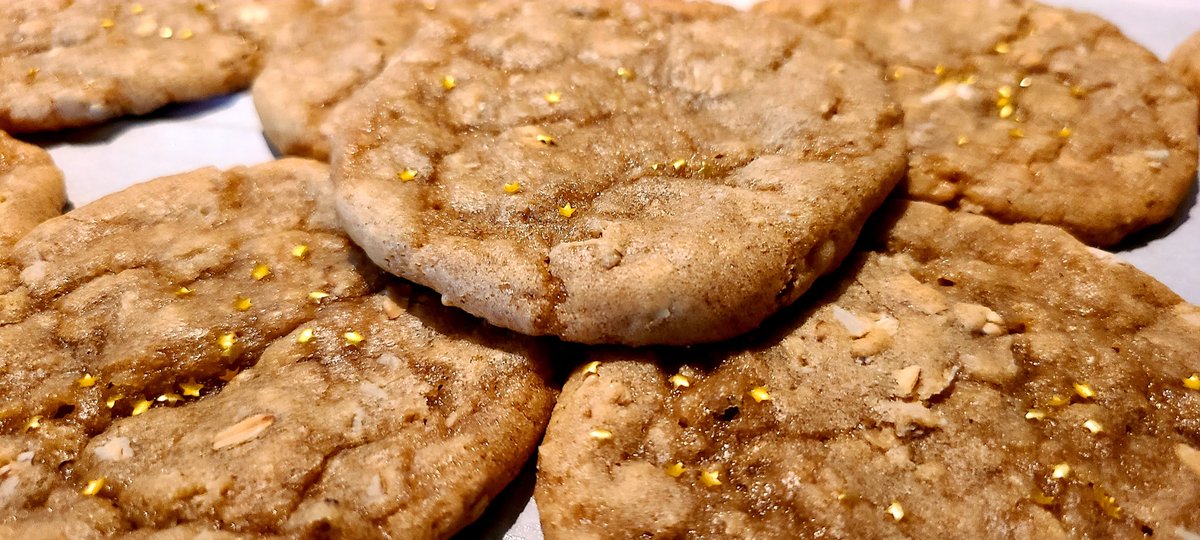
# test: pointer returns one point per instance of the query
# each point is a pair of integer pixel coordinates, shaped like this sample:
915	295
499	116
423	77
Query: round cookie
959	376
73	64
1026	113
606	172
325	56
208	352
1185	62
31	191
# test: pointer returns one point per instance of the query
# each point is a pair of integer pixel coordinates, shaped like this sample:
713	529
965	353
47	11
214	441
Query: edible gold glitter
107	23
305	336
353	338
1065	132
1107	502
169	397
897	74
680	381
679	164
1093	426
547	140
1000	102
592	368
1005	91
227	341
112	400
31	75
1062	470
317	296
136	9
1006	111
1059	401
896	510
512	187
140	407
1016	133
86	381
407	175
183	291
185	34
625	73
1034	414
675	470
1002	48
1192	382
710	478
300	251
600	434
242	304
961	140
939	70
93	487
165	32
566	210
1026	82
1084	390
553	97
191	388
33	423
1078	91
261	271
760	394
449	82
1041	498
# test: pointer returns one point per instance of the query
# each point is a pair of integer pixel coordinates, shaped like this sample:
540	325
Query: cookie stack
816	269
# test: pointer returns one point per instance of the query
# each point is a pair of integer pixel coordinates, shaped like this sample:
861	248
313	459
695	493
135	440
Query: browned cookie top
77	63
961	379
208	351
1026	112
31	191
609	172
1185	62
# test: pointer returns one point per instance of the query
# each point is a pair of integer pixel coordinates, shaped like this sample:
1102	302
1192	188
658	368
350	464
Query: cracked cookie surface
209	355
606	172
960	377
1025	112
74	63
31	191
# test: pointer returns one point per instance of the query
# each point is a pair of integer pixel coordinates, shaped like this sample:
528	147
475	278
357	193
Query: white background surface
225	132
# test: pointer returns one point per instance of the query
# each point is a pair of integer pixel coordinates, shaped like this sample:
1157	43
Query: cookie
328	54
1026	113
210	354
606	172
31	191
73	64
1185	62
960	376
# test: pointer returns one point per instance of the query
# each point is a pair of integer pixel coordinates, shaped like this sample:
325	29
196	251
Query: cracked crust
1185	62
77	63
919	380
1126	159
785	142
31	191
407	432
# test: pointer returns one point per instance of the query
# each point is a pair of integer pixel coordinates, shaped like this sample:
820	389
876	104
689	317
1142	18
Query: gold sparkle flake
1078	91
1084	390
512	187
227	342
1005	91
107	23
300	251
600	434
962	140
675	470
679	164
317	296
760	394
260	272
1062	470
1007	111
1016	133
449	82
93	487
1035	414
895	510
353	338
183	291
592	368
185	34
113	399
939	70
1192	382
169	398
547	140
166	32
1065	132
1093	426
407	175
625	73
31	75
141	406
553	97
191	388
710	478
1002	48
1041	498
305	336
1107	502
86	381
242	304
1059	401
566	210
33	423
136	9
680	381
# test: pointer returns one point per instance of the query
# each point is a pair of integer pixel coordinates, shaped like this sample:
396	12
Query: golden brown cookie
208	354
960	379
71	64
1185	62
1025	112
605	171
31	191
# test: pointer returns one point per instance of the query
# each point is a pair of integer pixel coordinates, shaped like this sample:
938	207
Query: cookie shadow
502	514
108	131
1155	232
